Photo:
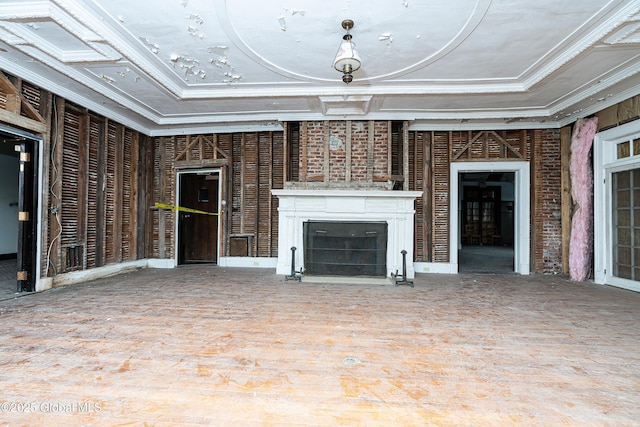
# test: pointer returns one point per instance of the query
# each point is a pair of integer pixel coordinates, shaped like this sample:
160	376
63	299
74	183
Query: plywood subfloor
204	345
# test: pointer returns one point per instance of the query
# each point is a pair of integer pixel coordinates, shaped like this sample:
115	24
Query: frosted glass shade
347	58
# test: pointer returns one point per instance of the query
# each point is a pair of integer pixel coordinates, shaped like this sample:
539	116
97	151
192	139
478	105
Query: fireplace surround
298	206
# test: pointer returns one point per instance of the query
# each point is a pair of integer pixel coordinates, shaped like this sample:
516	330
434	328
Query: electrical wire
56	177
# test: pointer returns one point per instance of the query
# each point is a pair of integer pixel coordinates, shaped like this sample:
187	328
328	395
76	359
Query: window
626	224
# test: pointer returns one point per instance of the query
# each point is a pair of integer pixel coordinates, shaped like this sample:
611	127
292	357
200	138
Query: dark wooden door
198	233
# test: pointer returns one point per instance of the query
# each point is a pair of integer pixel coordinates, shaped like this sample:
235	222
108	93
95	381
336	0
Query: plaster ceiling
181	66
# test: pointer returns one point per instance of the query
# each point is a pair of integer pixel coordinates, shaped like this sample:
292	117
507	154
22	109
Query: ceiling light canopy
347	59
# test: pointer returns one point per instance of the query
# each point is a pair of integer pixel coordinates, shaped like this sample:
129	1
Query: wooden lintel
22	122
206	163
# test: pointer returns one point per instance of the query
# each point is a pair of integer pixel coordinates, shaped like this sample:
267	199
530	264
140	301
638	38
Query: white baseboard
44	284
247	262
161	263
435	267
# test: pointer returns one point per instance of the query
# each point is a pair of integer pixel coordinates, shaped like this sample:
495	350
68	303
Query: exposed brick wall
359	151
549	203
349	159
381	151
313	147
337	151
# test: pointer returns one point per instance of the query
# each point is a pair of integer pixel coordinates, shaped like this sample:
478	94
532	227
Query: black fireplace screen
337	248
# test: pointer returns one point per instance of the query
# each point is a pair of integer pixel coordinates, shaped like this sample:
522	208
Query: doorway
486	217
489	229
198	217
19	210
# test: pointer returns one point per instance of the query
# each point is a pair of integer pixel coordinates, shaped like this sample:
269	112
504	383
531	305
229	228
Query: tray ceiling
178	66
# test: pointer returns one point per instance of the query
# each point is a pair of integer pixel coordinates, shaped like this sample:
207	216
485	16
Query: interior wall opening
19	201
486	222
198	216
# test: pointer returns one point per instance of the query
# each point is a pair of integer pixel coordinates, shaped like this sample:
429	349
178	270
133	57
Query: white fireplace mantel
396	208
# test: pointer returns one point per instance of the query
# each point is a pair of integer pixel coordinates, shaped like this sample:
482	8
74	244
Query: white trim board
522	231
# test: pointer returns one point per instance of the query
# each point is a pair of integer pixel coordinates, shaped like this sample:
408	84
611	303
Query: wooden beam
83	183
347	172
567	203
206	163
162	164
285	152
371	151
101	205
303	152
467	146
134	200
17	103
427	198
389	148
243	165
118	181
46	110
145	156
327	154
271	158
536	204
405	155
22	122
57	150
14	102
505	144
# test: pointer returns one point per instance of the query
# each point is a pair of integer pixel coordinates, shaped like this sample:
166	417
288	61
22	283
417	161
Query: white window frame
605	164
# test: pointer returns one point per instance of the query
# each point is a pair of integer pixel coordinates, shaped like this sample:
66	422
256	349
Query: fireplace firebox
393	208
344	248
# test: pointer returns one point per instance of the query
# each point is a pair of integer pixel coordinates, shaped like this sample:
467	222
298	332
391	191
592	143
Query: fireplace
386	209
342	248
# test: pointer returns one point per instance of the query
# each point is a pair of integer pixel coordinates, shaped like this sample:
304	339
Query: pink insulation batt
580	169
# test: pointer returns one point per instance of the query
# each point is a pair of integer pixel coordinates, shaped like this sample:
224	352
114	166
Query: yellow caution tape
183	209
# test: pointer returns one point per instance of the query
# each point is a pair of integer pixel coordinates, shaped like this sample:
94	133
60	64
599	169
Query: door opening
486	222
198	237
19	171
520	208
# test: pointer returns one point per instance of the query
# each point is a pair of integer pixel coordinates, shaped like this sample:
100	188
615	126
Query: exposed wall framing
252	164
619	114
95	192
103	177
